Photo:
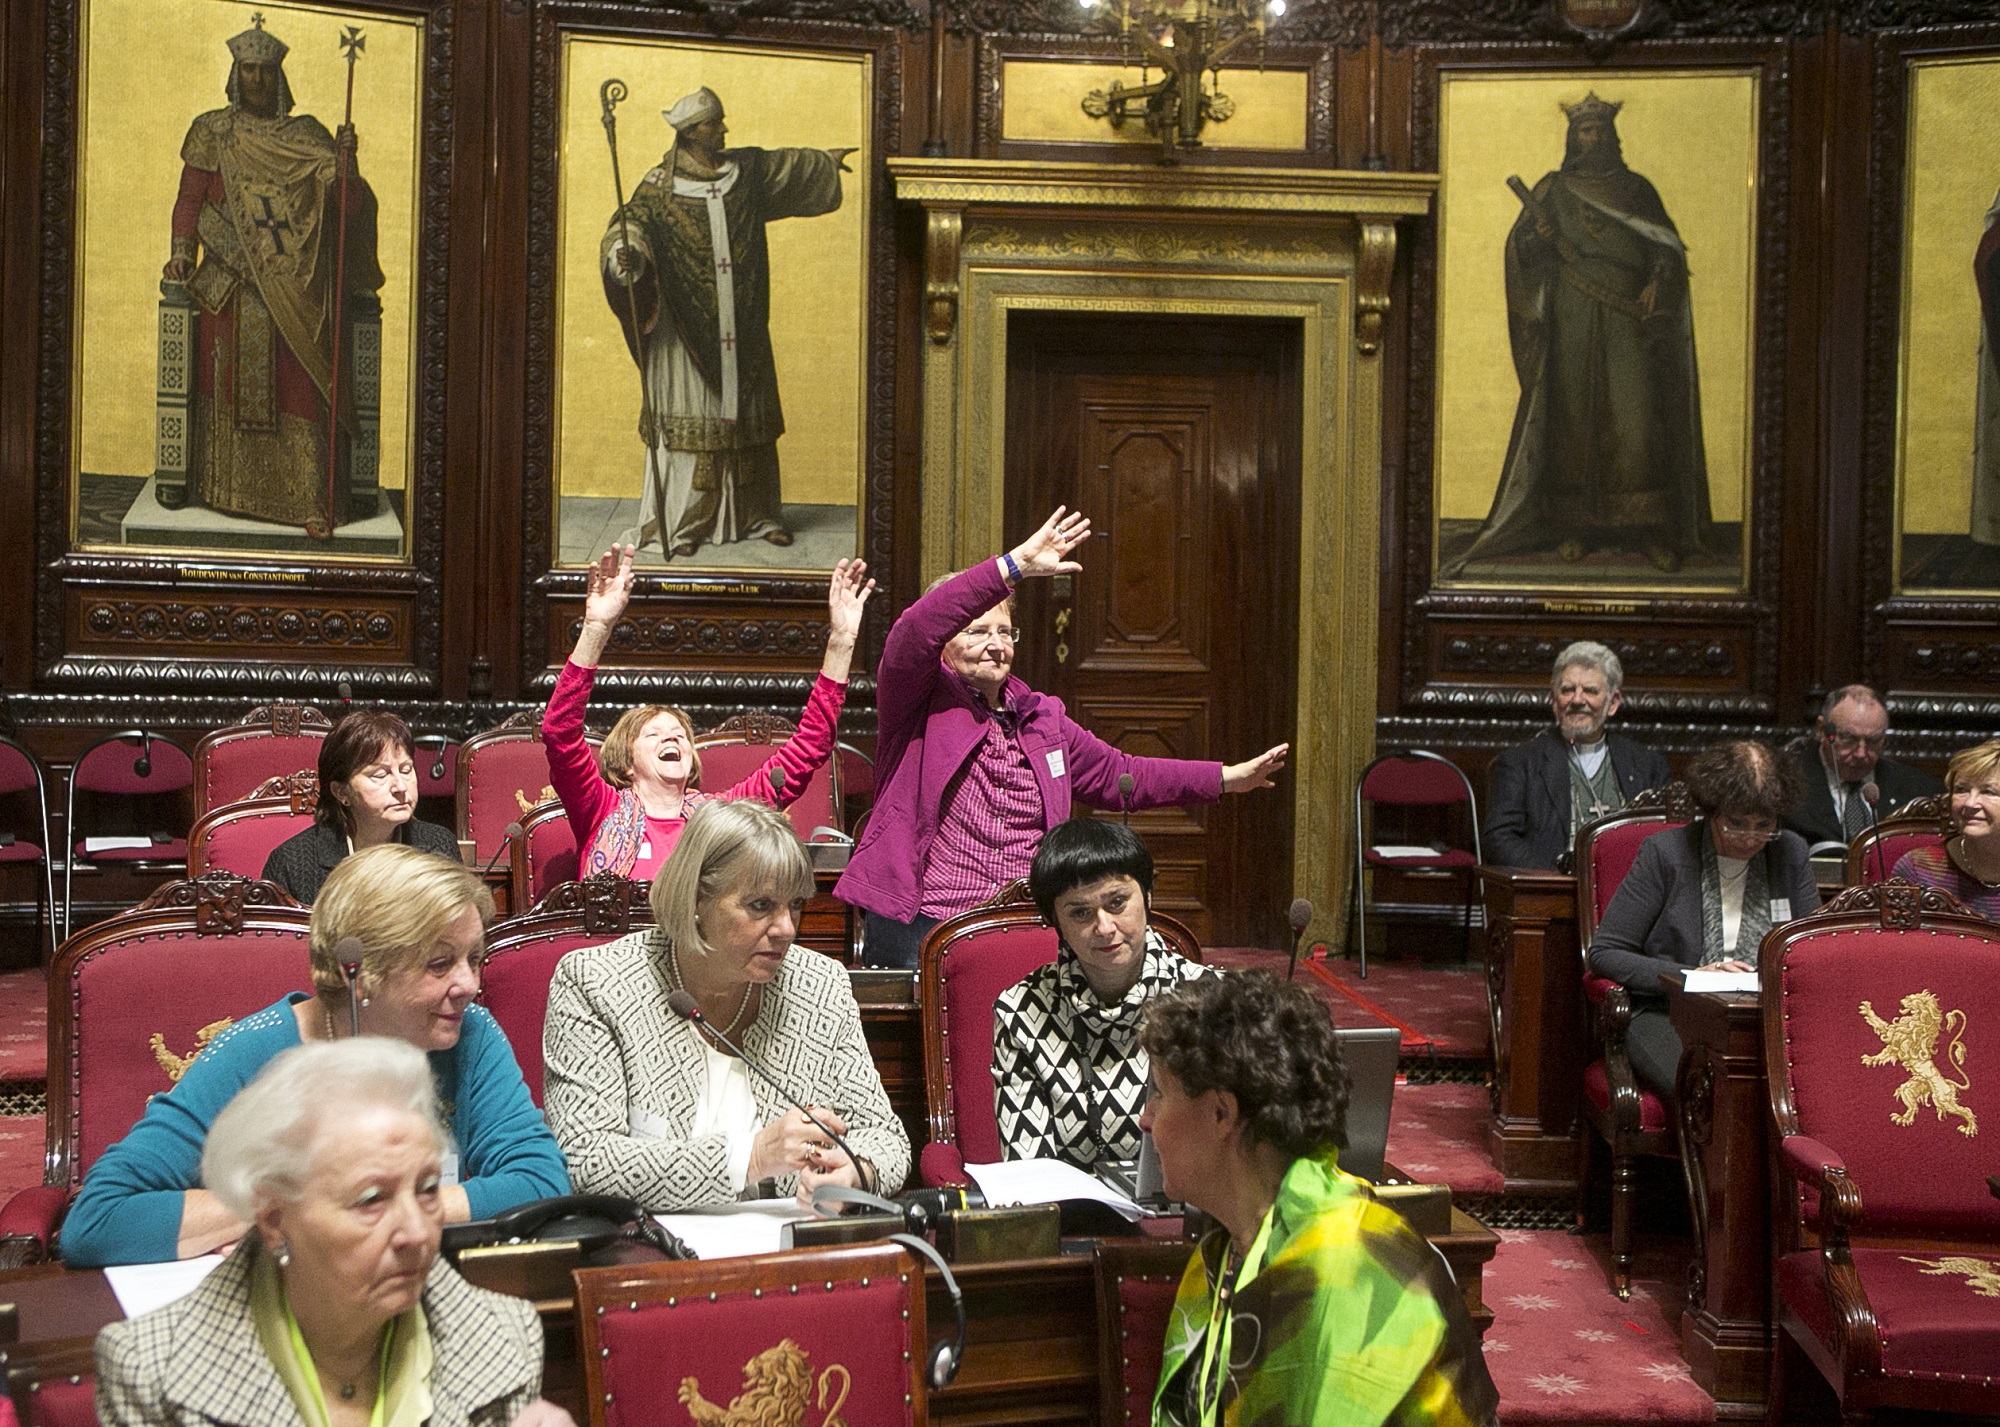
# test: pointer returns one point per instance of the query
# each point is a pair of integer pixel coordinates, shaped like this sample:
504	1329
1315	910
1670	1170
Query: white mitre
702	105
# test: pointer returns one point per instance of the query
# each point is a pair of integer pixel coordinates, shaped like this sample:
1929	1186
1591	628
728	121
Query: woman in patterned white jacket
649	1107
1069	1076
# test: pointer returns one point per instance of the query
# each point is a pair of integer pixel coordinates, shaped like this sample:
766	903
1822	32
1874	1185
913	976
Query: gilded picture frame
1659	499
1947	409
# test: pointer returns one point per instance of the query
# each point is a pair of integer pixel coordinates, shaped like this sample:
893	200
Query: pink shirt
990	827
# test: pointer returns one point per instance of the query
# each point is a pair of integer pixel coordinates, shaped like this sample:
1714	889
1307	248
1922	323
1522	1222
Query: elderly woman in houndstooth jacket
651	1107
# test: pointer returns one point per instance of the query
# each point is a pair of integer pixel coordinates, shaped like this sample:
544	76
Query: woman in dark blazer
1704	894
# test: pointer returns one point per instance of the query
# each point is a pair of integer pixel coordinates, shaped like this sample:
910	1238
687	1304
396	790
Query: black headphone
942	1365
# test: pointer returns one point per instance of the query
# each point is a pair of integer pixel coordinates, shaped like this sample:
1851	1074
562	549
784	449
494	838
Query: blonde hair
727	847
260	1148
615	757
398	901
1970	765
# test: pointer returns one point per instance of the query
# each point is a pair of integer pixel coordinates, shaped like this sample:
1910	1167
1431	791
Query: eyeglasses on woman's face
981	633
1748	829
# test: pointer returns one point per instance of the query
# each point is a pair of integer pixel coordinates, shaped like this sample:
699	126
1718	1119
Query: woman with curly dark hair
1704	894
1313	1304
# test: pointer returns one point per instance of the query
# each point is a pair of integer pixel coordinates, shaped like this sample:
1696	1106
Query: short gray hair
1589	654
727	847
1861	694
260	1148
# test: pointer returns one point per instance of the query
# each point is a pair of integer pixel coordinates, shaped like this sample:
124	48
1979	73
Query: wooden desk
1724	1112
1031	1352
1534	1003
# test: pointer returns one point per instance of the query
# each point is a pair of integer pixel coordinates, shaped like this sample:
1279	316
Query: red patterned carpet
24	1018
1440	1010
21	1149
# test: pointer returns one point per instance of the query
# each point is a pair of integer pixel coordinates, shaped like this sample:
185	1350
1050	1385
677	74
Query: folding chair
150	837
1416	777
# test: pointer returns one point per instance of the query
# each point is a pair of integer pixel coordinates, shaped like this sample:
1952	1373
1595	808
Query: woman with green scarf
335	1310
1312	1304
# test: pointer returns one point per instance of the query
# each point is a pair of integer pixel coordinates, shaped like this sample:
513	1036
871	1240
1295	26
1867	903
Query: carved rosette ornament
219	899
605	901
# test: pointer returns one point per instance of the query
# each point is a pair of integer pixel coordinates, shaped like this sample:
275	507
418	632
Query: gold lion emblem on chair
547	795
1981	1275
177	1065
1911	1041
777	1387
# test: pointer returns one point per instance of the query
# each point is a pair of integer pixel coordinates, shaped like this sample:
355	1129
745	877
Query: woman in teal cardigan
421	922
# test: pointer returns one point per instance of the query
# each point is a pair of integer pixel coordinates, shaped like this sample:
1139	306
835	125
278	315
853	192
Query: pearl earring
284	1254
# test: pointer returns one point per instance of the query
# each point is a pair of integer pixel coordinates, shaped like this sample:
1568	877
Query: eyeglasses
979	634
1855	743
1737	827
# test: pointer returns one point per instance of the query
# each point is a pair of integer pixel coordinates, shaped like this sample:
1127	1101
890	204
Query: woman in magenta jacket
628	803
972	766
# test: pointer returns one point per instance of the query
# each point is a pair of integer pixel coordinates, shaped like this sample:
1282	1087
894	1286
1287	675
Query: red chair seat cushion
19	851
1597	1090
173	850
1456	857
1935	1322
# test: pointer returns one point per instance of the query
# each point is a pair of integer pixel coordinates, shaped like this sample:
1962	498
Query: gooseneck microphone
1300	917
1125	799
349	953
507	836
1871	794
142	766
776	774
683	1004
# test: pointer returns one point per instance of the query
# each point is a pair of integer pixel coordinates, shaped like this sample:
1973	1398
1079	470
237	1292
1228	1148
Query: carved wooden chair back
543	856
1921	822
1136	1283
238	837
735	749
268	742
503	774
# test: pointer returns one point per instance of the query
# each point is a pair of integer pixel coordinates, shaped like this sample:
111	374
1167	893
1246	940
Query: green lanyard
1221	1323
304	1355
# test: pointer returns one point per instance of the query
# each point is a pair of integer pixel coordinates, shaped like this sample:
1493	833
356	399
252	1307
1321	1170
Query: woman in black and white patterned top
1069	1078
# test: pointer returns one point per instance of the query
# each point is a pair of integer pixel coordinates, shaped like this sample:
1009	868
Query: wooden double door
1180	438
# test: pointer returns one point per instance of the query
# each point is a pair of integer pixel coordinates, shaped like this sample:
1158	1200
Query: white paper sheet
1045	1181
142	1287
1721	981
115	844
1397	849
734	1230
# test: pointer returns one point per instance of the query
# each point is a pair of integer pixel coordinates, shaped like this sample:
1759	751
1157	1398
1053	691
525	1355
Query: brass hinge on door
1062	628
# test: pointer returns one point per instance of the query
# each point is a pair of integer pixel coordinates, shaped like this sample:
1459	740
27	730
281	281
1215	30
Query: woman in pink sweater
629	803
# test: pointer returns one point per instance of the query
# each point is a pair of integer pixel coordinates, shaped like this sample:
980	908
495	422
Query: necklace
742	1005
1962	856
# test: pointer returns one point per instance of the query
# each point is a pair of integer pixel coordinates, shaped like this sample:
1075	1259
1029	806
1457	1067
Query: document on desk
1046	1181
1698	981
1400	851
729	1231
142	1287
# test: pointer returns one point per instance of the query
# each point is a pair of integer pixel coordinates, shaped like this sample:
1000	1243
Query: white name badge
1055	760
646	850
645	1125
1781	910
448	1168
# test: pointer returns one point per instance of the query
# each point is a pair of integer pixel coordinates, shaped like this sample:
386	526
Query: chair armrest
943	1167
1825	1172
28	1224
1596	988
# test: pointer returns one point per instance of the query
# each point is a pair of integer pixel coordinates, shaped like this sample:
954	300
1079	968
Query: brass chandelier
1186	39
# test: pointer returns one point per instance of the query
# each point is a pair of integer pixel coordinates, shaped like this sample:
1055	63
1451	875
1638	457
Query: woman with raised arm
628	803
972	766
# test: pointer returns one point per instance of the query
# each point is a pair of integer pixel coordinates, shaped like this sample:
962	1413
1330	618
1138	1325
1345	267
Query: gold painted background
1694	135
1042	100
819	308
1953	172
150	66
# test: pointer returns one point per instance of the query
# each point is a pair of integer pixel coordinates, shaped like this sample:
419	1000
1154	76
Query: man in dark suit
1540	792
1843	754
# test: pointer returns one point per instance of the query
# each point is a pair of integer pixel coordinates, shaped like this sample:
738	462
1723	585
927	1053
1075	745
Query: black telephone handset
591	1221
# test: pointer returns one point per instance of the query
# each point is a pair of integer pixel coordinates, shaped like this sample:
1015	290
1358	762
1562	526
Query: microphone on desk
1871	794
507	836
1125	799
345	690
1300	917
684	1005
349	953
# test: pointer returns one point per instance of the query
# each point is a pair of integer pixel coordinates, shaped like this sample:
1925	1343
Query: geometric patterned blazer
199	1360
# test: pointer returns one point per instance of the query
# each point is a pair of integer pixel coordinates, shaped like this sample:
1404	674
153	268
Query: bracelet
1011	566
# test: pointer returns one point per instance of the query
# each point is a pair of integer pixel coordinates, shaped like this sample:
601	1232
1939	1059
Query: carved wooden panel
1137	476
732	633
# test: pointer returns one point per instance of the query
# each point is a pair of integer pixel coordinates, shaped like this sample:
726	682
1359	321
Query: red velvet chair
131	1001
1881	1022
22	779
129	785
271	741
1629	1118
738	746
1416	777
544	855
1136	1283
761	1339
238	837
502	774
522	952
1921	822
965	963
53	1384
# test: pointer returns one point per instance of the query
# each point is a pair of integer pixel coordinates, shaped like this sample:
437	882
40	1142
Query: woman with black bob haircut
1704	894
1068	1072
367	796
1357	1318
